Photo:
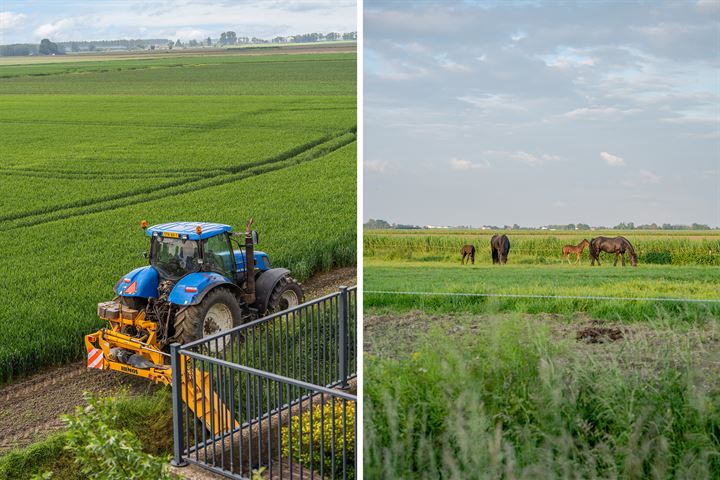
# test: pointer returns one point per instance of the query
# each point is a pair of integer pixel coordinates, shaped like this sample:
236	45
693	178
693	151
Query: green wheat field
90	149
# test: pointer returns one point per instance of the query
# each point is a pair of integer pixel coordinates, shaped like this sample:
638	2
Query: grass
148	417
695	282
502	388
515	400
91	148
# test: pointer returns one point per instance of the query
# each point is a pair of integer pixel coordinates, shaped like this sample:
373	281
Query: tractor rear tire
287	293
218	311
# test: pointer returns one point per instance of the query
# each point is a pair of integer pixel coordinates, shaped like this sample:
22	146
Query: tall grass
512	402
696	248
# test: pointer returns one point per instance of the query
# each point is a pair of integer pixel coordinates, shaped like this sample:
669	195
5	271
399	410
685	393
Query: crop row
101	134
84	204
538	248
53	274
81	65
318	74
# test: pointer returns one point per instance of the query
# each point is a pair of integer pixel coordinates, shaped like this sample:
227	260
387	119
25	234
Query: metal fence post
178	460
343	313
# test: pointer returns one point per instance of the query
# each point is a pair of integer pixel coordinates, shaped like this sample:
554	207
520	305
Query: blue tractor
200	281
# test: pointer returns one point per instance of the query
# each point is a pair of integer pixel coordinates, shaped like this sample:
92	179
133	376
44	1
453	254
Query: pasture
538	387
91	148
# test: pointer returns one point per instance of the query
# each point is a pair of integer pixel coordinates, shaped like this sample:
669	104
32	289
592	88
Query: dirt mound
595	334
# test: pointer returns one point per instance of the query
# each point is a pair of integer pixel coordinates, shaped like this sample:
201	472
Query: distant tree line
664	226
378	224
47	47
231	38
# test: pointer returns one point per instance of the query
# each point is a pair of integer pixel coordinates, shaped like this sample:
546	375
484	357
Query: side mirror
255	237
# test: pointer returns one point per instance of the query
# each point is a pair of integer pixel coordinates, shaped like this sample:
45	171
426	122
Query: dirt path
30	409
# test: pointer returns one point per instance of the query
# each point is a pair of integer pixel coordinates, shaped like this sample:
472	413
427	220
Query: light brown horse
576	249
469	252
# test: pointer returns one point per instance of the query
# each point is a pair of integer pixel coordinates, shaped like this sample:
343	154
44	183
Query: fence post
343	313
178	460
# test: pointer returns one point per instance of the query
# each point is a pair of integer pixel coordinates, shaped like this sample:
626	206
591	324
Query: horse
616	245
500	246
469	252
576	249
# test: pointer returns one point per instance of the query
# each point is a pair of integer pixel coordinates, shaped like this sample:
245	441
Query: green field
91	148
530	388
654	281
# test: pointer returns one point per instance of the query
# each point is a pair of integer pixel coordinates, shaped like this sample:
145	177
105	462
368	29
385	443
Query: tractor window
173	257
218	255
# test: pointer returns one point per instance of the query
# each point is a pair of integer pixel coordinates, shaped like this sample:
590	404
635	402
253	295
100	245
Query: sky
538	112
29	21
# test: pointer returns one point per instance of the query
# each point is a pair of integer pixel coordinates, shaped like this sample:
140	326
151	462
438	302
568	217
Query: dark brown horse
500	247
576	249
469	252
617	245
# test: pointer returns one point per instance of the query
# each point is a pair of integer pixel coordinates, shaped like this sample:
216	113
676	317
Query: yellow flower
329	431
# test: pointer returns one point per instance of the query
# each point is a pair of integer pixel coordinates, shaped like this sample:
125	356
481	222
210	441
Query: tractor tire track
30	409
322	148
49	174
142	191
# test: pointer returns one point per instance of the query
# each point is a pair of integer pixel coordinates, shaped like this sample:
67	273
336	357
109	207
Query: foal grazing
576	249
469	252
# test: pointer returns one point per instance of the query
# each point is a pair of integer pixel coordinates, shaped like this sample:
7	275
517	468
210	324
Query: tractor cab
181	248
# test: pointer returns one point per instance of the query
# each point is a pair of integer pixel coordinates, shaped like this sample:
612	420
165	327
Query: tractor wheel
217	312
286	294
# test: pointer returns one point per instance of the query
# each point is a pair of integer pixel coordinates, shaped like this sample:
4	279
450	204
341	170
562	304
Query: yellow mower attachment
109	349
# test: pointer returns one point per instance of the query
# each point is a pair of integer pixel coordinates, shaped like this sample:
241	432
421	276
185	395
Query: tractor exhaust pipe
249	264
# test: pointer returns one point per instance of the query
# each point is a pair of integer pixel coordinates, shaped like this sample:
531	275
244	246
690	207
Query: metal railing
271	395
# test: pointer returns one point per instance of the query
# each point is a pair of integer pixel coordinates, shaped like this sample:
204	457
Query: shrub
105	452
323	431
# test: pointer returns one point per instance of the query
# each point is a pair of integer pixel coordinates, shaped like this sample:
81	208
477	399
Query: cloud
493	102
60	30
461	164
612	160
646	176
452	66
185	34
527	158
599	112
375	166
10	20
